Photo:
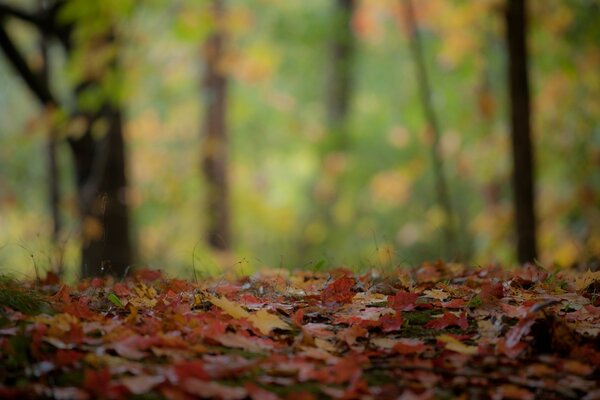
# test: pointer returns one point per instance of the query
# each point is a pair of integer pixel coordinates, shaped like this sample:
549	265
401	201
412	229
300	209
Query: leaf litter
435	331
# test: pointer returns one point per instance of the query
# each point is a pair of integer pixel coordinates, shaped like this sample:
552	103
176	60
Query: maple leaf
229	307
213	390
454	303
64	358
457	346
339	291
530	274
351	333
239	341
409	346
491	291
99	384
403	301
190	369
131	347
257	393
141	384
437	294
298	317
448	319
265	322
121	289
522	328
582	282
391	323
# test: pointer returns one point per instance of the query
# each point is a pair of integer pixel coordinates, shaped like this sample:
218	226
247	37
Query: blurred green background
384	212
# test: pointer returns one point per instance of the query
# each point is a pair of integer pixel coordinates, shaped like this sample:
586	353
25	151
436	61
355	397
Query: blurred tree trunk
97	146
215	146
53	173
522	149
101	190
325	189
433	128
340	74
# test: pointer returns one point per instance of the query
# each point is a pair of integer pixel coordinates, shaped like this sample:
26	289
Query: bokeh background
378	187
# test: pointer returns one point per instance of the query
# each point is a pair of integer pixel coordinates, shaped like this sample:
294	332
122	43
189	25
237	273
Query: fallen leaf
409	346
213	390
457	346
403	301
265	322
448	319
229	307
339	291
141	384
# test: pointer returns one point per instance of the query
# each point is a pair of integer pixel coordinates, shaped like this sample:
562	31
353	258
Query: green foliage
13	295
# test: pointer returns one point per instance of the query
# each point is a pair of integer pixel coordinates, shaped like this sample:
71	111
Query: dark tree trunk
101	188
522	149
215	146
340	76
100	166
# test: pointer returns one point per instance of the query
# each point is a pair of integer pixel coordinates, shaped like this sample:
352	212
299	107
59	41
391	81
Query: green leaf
115	300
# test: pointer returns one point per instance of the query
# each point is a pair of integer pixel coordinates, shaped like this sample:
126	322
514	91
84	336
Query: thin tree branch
33	81
443	196
7	10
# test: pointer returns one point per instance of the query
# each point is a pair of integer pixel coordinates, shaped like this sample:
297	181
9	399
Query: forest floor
434	331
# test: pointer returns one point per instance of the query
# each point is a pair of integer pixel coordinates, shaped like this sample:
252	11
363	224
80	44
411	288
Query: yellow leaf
265	322
325	345
229	307
436	294
457	346
586	279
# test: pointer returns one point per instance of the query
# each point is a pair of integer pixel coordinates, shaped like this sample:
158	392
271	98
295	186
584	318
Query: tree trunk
441	182
53	173
215	146
101	188
340	76
100	167
522	149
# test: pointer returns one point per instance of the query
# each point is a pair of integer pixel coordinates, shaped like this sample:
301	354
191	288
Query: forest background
297	197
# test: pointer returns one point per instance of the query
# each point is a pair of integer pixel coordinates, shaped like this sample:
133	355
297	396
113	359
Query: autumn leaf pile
435	331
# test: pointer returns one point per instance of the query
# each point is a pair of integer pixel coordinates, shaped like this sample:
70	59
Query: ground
434	331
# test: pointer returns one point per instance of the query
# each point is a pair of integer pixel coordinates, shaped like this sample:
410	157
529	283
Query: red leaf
350	334
64	358
391	323
454	303
97	283
403	301
512	351
50	279
79	308
96	382
190	369
530	274
213	390
121	289
257	393
521	329
409	346
298	317
491	291
448	319
339	291
148	275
